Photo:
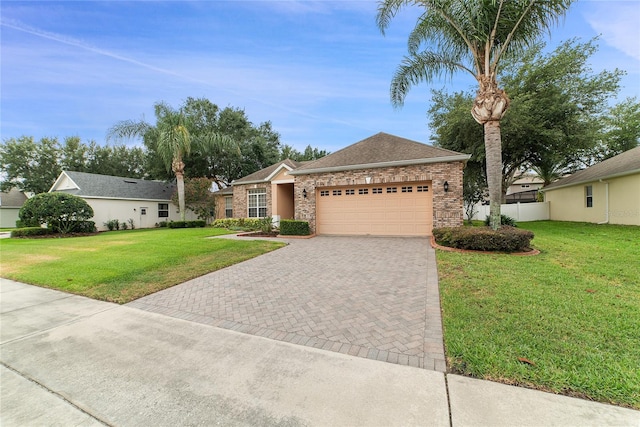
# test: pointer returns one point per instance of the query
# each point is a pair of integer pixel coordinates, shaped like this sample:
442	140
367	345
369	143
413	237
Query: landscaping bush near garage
505	239
292	227
61	212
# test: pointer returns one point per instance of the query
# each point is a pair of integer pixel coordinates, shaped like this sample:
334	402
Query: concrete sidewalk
69	360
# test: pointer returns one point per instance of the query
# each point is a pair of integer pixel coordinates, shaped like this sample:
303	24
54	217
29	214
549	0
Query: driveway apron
364	296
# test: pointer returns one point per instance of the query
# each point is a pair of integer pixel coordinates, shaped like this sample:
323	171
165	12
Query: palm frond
424	66
128	129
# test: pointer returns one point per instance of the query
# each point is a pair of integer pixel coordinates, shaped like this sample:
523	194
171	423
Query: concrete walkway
363	296
69	360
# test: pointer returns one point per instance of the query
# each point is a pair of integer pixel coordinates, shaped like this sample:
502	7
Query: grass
565	321
124	265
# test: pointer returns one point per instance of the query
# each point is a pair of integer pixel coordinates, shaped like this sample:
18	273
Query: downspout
606	202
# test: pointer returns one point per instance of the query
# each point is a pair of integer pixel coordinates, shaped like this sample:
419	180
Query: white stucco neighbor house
10	204
146	202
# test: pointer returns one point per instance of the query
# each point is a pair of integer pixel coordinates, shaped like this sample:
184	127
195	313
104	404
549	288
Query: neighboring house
146	202
10	204
382	185
607	192
524	183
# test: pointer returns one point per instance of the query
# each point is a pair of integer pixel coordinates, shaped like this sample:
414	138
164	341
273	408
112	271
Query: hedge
252	224
505	239
292	227
30	231
187	224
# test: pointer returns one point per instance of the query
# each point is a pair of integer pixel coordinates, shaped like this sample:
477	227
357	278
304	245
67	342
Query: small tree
474	189
61	212
198	197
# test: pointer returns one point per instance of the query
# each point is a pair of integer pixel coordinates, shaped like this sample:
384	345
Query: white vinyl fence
519	211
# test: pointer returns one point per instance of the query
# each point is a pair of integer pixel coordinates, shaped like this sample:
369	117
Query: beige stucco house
607	192
146	202
383	185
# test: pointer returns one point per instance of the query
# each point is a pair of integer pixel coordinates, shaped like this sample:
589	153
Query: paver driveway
364	296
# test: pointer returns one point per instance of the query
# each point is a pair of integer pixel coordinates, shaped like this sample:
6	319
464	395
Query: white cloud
618	22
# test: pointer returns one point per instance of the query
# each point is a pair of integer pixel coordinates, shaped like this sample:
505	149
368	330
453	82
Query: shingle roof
263	174
115	187
14	198
380	150
223	191
626	163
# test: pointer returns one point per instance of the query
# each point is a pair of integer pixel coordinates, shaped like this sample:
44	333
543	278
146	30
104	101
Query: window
363	191
163	210
257	203
376	190
337	192
588	192
392	189
228	207
524	186
422	188
143	211
324	193
407	189
349	192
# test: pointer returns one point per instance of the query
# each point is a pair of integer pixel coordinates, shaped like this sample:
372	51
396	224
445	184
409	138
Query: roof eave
395	163
584	181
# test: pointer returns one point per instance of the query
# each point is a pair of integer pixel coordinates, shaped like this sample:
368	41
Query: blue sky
318	70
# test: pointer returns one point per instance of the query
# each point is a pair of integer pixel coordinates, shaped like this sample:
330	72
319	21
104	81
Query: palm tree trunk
493	148
180	181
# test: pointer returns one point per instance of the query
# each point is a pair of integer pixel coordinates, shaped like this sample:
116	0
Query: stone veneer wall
447	207
241	199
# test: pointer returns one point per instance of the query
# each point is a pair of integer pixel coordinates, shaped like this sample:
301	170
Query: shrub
162	224
187	224
504	220
85	227
505	239
24	224
123	226
292	227
30	231
266	225
132	224
60	211
248	224
112	224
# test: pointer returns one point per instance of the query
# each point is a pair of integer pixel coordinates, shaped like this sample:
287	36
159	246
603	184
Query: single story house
383	185
607	192
10	204
146	202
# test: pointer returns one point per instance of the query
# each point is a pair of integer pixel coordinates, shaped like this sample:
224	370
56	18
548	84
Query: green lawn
573	311
121	266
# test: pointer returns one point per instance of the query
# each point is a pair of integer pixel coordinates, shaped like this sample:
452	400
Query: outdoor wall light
446	186
304	193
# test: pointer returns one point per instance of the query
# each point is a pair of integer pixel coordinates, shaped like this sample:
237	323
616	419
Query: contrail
19	26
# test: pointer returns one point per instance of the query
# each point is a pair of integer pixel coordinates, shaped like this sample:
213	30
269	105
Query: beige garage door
381	210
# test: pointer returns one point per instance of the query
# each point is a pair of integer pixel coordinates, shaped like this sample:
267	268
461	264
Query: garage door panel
379	213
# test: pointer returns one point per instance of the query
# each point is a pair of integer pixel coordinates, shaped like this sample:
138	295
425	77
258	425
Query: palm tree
171	137
471	36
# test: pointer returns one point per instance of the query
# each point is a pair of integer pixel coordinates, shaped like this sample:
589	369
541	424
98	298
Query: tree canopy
559	119
33	166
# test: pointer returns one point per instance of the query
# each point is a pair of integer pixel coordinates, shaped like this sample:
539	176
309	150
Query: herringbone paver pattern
364	296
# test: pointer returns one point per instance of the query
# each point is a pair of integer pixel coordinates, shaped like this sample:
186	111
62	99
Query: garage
392	209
